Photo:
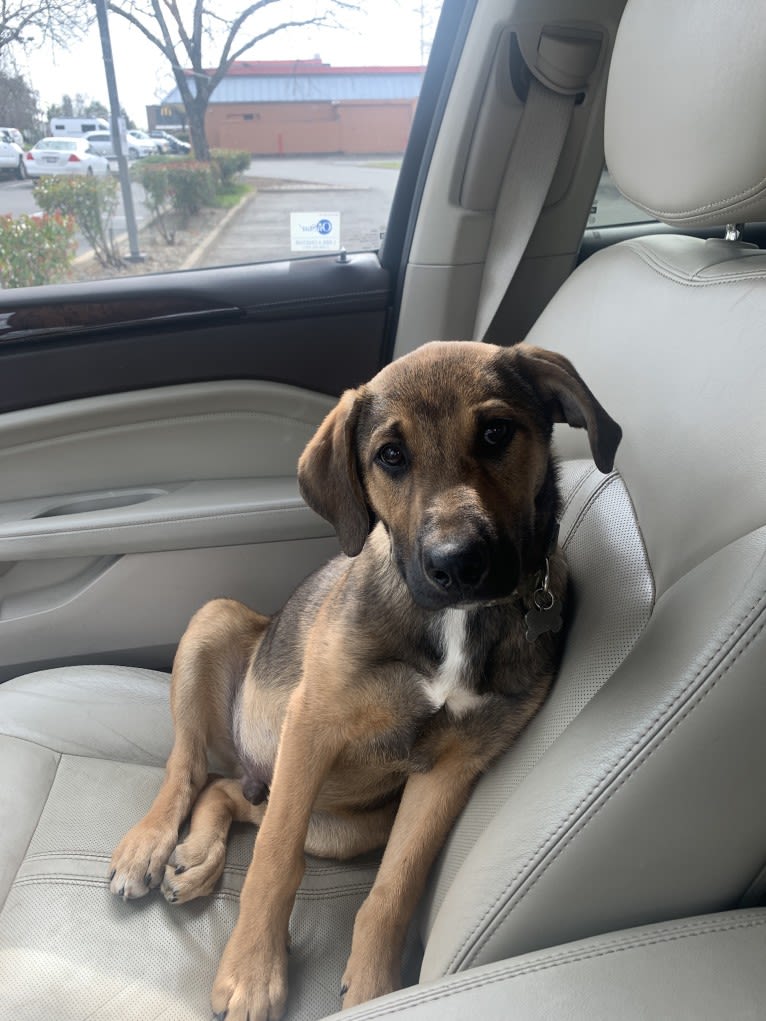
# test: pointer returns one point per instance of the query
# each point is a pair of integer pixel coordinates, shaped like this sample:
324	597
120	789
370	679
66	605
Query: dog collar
545	613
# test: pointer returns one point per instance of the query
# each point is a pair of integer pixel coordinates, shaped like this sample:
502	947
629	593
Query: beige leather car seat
635	798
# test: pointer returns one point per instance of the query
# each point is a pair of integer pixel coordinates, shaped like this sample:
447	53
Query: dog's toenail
112	874
180	869
343	991
221	1016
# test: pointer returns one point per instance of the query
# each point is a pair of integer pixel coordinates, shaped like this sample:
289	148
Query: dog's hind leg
198	862
211	661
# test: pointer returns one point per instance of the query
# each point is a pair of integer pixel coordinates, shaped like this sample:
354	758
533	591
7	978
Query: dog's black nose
457	570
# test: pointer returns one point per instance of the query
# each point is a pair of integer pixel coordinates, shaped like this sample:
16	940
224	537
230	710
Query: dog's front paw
367	977
251	984
138	862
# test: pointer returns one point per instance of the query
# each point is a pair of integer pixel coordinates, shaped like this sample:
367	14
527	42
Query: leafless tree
31	21
201	41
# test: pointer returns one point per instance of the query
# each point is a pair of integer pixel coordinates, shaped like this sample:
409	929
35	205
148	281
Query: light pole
114	122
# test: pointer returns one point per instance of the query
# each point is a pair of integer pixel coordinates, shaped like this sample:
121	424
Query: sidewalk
259	229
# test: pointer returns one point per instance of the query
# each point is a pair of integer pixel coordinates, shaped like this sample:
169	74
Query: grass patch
227	196
383	164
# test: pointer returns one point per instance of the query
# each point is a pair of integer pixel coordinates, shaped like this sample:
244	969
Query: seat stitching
89	855
751	195
59	756
67	879
588	800
564	957
664	270
75	853
82	754
603	485
576	489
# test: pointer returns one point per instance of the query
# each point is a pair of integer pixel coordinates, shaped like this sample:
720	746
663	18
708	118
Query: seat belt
528	177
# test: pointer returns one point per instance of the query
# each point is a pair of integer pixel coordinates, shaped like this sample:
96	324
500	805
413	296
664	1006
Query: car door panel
121	514
149	436
133	609
317	323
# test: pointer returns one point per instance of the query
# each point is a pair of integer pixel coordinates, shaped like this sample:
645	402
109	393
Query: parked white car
11	154
16	135
140	144
100	142
64	156
172	144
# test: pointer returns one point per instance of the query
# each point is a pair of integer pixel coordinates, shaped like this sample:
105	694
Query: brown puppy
370	704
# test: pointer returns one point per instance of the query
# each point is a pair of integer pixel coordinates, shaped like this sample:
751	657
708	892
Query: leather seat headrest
685	134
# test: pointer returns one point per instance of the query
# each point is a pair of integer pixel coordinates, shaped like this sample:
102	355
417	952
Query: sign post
116	127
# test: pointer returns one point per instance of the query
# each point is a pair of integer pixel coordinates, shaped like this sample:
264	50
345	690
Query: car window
296	153
611	209
56	144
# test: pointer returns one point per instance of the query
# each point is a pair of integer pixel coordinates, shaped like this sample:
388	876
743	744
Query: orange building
305	107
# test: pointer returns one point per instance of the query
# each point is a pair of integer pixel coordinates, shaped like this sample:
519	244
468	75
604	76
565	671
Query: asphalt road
360	192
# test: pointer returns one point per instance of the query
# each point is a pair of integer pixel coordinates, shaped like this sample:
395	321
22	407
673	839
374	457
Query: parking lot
359	190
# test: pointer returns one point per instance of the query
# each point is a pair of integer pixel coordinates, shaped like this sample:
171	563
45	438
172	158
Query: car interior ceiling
612	863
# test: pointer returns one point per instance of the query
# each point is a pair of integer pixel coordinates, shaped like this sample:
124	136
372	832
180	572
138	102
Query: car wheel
21	170
89	171
133	153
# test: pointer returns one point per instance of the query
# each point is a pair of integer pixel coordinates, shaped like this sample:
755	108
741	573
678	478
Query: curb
198	255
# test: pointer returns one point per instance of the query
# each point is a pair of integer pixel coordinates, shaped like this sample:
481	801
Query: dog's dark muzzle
450	573
457	569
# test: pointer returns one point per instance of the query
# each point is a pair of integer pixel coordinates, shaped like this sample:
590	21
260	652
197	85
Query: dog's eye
497	433
392	456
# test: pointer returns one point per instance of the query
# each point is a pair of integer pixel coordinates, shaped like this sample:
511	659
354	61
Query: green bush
192	185
230	162
35	249
176	185
92	202
155	177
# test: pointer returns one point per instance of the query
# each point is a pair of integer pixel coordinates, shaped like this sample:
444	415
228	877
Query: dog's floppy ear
569	400
328	474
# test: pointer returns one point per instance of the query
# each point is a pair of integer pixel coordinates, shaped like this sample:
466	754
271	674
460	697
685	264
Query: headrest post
734	231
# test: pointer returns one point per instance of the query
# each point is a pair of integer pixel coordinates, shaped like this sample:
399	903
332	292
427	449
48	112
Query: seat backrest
636	794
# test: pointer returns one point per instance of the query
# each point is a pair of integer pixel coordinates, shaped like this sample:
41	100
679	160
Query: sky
381	32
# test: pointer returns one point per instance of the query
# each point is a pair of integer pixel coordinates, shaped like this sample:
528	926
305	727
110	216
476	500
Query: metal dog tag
545	614
543	617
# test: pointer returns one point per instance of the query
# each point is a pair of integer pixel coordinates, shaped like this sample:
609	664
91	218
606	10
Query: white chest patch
447	688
